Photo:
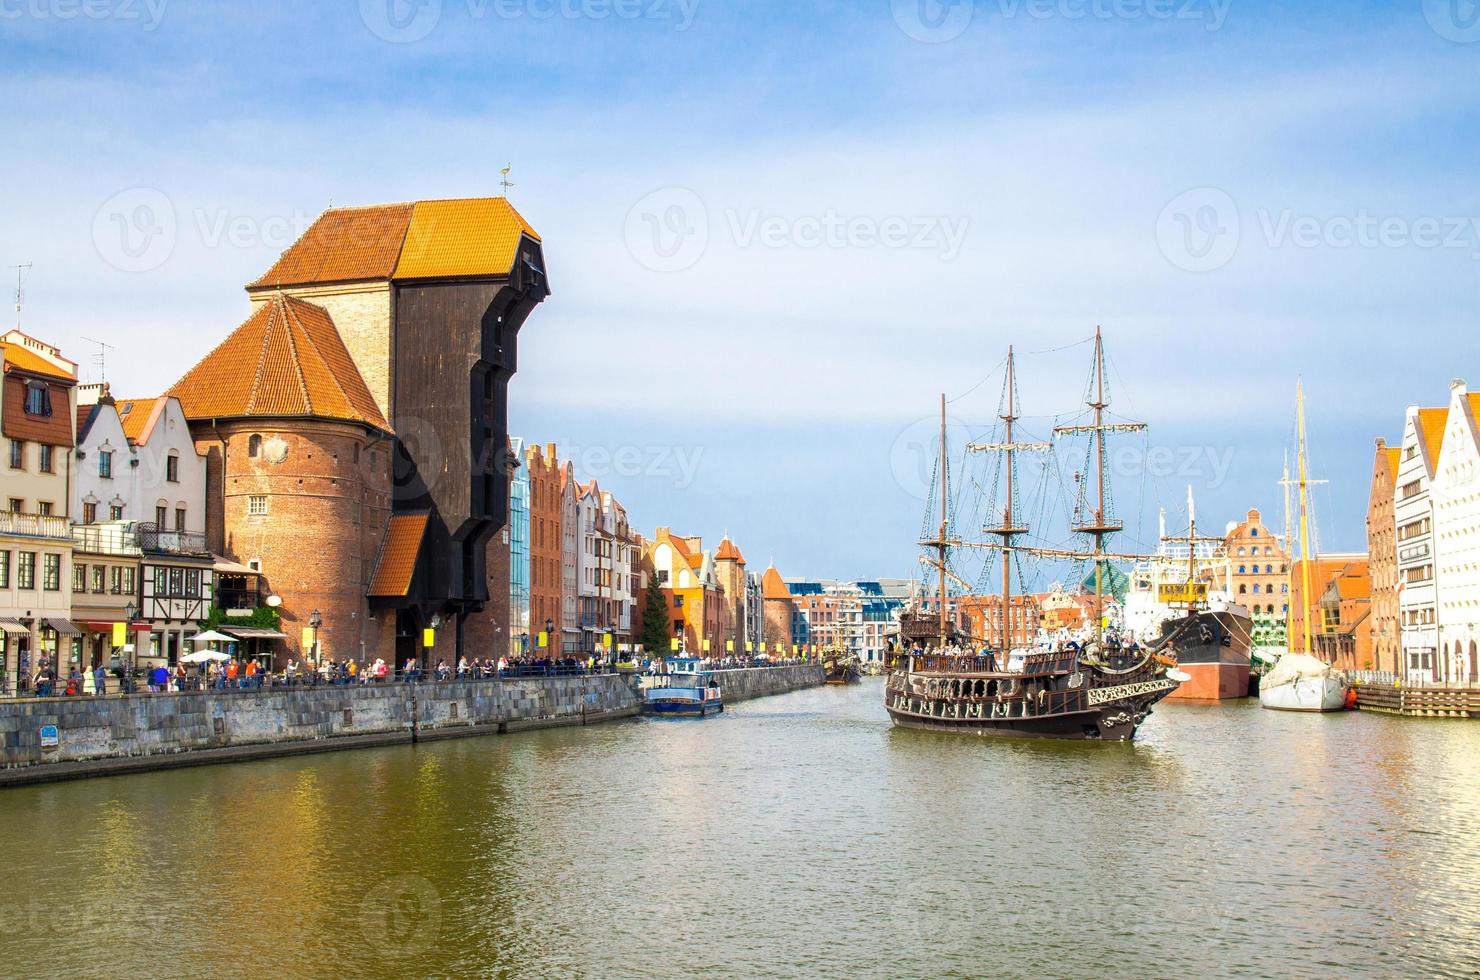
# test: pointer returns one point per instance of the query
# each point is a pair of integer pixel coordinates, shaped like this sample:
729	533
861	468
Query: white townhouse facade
1456	493
1418	557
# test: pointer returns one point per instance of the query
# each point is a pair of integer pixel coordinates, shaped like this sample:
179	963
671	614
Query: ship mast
945	469
1101	526
1303	483
1008	529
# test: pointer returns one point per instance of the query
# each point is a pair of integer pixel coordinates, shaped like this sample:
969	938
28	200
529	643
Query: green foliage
263	617
655	633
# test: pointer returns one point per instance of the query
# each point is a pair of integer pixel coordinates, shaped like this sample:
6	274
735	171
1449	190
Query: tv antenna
20	292
506	183
101	357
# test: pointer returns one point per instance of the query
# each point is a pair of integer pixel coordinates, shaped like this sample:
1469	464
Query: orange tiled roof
1474	398
1431	423
135	414
22	359
343	245
420	240
468	237
728	552
398	555
287	360
1394	456
772	587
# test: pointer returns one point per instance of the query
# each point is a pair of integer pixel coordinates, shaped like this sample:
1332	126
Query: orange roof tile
467	237
343	245
398	555
135	414
1431	423
728	552
1394	456
287	360
21	359
772	587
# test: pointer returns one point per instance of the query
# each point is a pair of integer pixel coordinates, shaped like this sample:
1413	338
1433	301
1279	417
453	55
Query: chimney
1458	384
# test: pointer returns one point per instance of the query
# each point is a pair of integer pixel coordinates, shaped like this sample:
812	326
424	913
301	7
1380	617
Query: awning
253	633
99	625
64	627
14	627
225	566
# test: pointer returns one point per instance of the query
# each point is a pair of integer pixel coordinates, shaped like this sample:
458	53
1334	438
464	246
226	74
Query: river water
793	835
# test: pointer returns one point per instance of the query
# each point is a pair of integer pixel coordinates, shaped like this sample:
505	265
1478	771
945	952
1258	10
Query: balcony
35	526
156	542
113	538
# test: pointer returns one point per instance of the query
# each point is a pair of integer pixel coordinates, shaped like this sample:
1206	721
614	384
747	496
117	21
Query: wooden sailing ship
1099	689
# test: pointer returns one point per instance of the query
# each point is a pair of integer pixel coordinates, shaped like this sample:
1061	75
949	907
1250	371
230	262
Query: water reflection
793	835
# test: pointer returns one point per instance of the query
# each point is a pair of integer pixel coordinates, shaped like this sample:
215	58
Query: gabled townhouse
38	423
1382	559
1417	546
139	516
1456	494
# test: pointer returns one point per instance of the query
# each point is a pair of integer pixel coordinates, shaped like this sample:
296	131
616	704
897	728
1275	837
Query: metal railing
156	541
106	539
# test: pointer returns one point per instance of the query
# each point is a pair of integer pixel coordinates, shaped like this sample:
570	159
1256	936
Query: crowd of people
250	673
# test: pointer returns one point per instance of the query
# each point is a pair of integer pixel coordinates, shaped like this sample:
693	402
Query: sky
777	232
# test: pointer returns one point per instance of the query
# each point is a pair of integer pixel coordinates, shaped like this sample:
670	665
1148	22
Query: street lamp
129	612
315	621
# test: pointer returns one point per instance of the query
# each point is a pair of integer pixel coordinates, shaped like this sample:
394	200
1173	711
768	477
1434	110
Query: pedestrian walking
100	681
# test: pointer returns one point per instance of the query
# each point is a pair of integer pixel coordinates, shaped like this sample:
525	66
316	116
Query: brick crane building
387	337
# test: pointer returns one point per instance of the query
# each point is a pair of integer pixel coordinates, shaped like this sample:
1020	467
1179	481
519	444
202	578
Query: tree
655	622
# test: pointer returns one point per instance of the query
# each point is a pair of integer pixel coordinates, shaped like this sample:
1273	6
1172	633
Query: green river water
791	836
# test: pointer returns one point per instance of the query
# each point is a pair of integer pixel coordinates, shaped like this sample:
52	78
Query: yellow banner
428	638
120	634
729	646
306	637
673	644
544	639
606	640
706	644
1183	592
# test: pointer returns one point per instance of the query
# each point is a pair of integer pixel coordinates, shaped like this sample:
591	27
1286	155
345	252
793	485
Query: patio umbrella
211	636
204	656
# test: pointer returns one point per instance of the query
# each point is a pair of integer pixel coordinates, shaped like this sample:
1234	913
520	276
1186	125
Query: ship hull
1090	727
1212	648
1212	682
1306	694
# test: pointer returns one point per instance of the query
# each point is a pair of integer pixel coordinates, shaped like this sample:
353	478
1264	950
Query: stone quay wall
96	736
101	736
760	682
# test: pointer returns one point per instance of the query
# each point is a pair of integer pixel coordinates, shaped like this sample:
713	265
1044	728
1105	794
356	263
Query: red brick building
298	474
545	538
780	611
1382	560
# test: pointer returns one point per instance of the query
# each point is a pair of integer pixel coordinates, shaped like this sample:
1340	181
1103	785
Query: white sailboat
1299	681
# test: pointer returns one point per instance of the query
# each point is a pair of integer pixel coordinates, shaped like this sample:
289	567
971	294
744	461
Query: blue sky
776	231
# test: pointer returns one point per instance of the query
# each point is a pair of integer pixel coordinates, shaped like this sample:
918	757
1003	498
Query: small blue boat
691	695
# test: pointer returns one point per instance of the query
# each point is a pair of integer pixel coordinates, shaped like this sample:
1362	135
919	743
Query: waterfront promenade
46	739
